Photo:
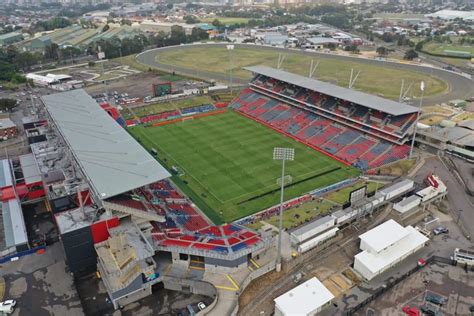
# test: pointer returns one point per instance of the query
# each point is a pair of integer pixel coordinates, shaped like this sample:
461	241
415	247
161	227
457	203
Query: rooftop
30	169
13	223
308	227
304	299
384	235
6	123
6	179
110	158
78	218
378	261
361	98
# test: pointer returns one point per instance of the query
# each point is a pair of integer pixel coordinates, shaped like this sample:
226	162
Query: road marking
237	287
254	263
225	288
250	268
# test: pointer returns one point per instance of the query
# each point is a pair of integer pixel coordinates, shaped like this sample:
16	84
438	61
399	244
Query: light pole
282	154
422	88
230	48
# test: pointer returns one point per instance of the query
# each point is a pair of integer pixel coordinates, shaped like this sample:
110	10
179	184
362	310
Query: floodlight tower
422	88
230	48
283	154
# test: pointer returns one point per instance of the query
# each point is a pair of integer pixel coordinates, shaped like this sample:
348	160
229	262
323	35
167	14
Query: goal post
187	118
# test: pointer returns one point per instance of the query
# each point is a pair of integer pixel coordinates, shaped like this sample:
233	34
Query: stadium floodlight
422	88
283	154
230	48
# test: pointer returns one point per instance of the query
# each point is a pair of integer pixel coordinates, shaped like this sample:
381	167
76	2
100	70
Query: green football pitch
226	166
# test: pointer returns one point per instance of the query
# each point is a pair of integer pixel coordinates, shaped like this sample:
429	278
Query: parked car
435	299
411	311
440	230
430	310
201	306
7	306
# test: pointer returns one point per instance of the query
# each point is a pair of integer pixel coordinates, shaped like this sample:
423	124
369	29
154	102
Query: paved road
459	87
457	196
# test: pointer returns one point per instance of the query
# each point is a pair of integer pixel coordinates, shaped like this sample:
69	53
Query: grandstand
360	129
184	229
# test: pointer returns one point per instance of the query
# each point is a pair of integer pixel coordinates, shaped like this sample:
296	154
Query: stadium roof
367	100
110	158
468	124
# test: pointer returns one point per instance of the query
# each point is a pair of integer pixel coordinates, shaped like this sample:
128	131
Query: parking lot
162	302
453	285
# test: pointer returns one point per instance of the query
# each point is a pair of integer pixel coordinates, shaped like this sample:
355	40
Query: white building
384	246
306	299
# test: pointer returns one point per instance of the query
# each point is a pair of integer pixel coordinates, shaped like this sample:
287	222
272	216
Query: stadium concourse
353	127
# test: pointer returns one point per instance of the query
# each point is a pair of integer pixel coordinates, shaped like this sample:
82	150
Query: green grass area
227	166
172	78
131	61
226	20
155	108
299	215
342	196
439	48
379	80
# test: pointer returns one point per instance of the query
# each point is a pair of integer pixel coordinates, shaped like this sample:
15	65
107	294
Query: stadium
222	160
182	185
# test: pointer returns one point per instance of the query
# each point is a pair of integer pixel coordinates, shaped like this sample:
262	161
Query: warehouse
307	299
384	246
10	38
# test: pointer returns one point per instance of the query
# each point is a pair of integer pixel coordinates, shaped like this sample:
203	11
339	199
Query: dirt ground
137	86
328	270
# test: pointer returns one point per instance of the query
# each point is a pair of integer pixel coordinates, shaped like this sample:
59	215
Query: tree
217	23
7	105
382	51
419	46
169	6
105	28
191	19
410	54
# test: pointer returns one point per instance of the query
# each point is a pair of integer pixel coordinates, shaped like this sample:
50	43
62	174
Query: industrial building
7	129
10	38
306	299
20	183
384	246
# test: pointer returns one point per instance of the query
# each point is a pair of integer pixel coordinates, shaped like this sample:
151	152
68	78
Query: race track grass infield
379	80
227	166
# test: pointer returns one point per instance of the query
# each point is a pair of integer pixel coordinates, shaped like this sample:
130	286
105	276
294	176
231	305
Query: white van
7	306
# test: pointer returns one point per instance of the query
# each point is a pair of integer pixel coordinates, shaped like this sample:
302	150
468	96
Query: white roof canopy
304	299
384	235
110	158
